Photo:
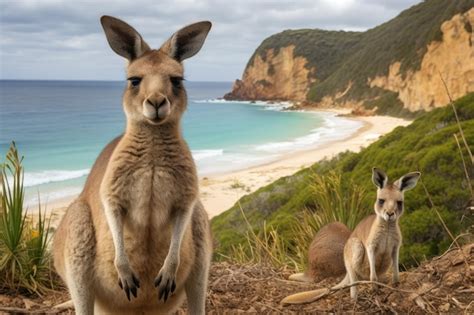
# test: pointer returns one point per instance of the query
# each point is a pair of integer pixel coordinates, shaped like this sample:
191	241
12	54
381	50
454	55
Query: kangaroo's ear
123	39
408	181
379	178
187	41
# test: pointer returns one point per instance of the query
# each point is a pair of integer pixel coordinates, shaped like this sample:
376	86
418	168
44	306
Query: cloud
60	39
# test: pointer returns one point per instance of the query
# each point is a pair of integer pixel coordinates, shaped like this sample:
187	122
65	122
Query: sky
63	39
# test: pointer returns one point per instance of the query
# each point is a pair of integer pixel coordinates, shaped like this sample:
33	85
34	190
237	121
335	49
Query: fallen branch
18	310
64	306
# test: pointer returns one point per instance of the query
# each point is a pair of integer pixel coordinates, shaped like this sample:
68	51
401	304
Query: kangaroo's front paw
166	283
128	282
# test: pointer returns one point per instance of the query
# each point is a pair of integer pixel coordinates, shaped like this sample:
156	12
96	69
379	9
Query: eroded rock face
280	76
453	58
284	76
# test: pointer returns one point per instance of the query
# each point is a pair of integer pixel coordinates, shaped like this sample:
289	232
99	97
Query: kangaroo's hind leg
196	285
353	259
74	253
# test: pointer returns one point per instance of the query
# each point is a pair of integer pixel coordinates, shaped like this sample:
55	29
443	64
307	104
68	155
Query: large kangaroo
374	244
138	224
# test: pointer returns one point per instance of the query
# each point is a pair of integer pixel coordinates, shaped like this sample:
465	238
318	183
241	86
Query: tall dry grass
336	201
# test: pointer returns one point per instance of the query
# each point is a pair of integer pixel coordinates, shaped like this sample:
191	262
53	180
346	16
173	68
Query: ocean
61	126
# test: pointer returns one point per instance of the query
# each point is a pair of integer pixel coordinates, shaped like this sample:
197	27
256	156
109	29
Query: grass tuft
25	262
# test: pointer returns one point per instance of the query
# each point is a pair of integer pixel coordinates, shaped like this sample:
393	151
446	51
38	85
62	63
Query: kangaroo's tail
303	277
305	297
311	296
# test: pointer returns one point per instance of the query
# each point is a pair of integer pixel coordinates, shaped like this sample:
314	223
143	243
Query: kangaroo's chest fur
150	179
384	237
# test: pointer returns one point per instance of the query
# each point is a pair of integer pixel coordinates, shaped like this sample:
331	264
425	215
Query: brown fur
144	183
374	244
325	254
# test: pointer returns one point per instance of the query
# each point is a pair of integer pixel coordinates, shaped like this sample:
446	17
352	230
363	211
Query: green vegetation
427	145
337	201
323	49
25	263
340	58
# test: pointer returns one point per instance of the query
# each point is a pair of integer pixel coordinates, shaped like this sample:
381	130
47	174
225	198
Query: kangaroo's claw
129	284
166	286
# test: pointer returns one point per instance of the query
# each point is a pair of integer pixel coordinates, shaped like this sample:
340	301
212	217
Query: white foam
334	128
51	176
266	105
204	154
230	161
46	197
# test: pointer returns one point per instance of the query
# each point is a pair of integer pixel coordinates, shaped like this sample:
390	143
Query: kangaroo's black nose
390	214
157	102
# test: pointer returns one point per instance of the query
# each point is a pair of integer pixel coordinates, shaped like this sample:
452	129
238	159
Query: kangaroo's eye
176	81
400	204
135	81
381	202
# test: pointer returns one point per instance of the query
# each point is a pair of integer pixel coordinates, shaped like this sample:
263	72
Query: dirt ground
443	285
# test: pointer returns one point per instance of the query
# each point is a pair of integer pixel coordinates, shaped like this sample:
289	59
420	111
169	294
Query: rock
444	307
5	299
29	304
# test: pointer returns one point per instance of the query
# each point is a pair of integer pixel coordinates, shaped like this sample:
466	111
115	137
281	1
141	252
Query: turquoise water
61	126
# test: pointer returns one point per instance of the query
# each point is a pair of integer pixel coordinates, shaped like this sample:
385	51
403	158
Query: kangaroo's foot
375	286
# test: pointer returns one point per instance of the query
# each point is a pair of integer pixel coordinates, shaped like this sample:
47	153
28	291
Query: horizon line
98	80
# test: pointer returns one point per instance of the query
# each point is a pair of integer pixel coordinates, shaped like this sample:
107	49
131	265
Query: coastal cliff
276	75
452	57
394	68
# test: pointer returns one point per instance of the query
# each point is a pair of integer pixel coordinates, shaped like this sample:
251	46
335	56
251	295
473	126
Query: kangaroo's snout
157	101
390	216
156	107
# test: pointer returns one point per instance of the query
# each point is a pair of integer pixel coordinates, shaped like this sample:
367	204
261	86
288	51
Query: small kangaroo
137	239
374	244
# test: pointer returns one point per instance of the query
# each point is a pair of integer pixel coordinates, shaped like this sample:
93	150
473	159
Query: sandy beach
220	192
